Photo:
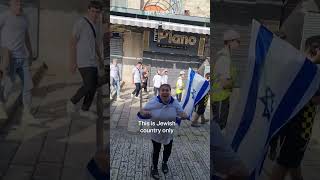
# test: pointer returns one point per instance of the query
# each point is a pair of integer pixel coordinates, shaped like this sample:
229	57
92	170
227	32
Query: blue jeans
20	67
116	86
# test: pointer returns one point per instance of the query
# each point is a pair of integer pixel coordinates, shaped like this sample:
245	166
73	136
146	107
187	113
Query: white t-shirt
13	33
157	80
115	72
136	75
86	47
165	79
161	112
222	65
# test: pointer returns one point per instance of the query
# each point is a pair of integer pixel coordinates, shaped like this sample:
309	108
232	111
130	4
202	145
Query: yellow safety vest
179	91
217	92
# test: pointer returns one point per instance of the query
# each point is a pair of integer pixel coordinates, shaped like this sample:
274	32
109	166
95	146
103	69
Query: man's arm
73	54
29	47
100	61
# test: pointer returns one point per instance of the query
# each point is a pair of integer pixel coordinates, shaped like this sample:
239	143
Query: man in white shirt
85	56
137	79
115	77
157	81
15	38
165	77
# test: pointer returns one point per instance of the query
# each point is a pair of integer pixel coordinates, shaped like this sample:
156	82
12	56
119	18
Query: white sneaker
131	95
119	98
71	108
88	114
28	116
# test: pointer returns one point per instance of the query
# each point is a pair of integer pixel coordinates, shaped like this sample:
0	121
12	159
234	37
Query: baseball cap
230	35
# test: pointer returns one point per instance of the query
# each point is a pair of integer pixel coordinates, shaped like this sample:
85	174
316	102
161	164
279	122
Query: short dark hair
139	63
165	85
311	44
207	75
95	4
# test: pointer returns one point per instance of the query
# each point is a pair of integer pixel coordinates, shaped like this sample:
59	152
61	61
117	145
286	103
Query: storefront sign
176	42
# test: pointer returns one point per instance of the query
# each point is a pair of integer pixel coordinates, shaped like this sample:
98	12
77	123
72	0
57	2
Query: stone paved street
53	147
131	151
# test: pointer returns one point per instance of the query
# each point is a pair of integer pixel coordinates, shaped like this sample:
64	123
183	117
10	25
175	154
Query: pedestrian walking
137	80
145	78
157	81
115	77
162	109
298	130
180	85
223	78
200	108
84	50
165	77
15	39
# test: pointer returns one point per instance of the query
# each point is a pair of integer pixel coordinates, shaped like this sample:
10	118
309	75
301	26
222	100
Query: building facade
160	40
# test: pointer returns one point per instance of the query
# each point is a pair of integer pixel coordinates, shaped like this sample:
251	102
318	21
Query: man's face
114	62
94	14
15	6
316	58
235	44
139	66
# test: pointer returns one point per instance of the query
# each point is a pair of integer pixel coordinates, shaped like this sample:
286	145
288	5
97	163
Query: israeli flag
279	82
196	88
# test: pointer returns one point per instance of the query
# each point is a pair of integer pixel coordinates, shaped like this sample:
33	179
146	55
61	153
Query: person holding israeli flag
298	130
195	90
223	78
268	103
162	111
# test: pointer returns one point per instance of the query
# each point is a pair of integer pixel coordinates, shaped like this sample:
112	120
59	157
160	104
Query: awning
155	24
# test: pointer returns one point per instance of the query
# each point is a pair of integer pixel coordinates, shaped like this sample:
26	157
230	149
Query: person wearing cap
223	78
180	85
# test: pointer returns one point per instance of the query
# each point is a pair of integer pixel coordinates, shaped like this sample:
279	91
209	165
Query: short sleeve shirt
86	53
222	65
13	32
114	72
136	75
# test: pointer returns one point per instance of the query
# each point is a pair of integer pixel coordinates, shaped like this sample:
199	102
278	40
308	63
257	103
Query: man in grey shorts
85	56
15	38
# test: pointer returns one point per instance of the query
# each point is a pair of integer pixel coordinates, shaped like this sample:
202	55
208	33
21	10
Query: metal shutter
311	26
116	50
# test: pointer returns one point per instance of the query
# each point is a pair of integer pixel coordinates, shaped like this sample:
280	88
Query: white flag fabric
279	82
196	88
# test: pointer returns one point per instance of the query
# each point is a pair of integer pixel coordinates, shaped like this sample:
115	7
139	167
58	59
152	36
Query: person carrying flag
223	78
201	108
298	130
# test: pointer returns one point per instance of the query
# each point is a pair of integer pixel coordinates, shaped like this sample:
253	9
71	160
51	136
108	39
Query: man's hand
184	115
73	67
227	84
100	62
145	113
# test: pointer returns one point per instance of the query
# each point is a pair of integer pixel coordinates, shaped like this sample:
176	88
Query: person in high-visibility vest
223	78
180	86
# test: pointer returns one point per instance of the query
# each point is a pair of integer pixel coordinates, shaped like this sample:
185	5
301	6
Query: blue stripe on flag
293	96
192	74
264	39
202	91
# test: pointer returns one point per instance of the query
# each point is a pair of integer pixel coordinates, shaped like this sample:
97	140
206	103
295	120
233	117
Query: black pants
156	91
88	89
145	86
179	96
137	89
156	152
220	112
